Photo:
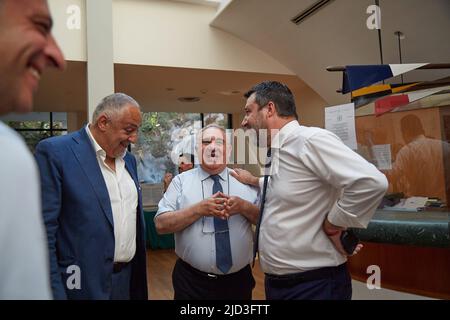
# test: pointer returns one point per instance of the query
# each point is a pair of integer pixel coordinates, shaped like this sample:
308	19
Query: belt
119	266
311	275
211	276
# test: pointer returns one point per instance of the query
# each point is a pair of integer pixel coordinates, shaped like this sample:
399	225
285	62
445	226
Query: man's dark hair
189	156
276	92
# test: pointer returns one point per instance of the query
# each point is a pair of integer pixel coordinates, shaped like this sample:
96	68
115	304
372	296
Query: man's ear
271	110
102	122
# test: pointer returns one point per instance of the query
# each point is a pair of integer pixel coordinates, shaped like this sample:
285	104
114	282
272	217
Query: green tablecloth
153	239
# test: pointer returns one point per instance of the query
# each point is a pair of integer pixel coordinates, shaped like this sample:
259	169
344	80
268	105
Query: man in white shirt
211	214
92	206
418	169
27	48
318	187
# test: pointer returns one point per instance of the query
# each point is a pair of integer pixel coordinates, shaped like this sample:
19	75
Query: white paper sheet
410	204
382	155
341	121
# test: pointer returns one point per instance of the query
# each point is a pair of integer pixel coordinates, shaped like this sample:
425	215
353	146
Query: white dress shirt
24	264
313	175
196	243
124	200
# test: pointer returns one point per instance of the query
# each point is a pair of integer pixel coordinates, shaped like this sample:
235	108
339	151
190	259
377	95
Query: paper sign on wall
341	121
382	155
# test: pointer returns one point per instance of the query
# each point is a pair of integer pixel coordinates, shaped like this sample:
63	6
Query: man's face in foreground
27	48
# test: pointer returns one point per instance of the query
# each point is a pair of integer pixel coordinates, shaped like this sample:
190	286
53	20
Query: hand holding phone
349	241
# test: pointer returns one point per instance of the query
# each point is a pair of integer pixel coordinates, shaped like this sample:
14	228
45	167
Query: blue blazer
79	220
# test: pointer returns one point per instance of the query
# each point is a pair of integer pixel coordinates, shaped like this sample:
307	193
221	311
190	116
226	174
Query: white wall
177	34
162	33
71	41
223	4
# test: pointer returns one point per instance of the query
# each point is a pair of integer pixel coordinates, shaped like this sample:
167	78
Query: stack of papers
410	204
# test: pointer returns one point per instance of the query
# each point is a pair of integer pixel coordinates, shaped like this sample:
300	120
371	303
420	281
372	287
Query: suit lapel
84	152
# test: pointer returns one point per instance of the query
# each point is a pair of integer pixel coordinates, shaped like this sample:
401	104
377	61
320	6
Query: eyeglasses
208	222
219	142
208	226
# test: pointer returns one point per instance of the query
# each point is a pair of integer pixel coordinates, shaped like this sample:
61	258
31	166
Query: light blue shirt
196	243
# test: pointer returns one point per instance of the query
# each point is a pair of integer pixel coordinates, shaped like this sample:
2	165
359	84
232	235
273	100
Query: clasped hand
220	205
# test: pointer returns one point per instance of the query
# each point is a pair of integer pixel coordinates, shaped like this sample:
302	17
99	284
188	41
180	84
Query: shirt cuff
161	211
341	218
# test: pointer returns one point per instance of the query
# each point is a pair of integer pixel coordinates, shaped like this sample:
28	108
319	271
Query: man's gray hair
112	105
213	125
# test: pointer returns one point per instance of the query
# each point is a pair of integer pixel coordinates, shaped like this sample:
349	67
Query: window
222	119
411	148
37	126
163	136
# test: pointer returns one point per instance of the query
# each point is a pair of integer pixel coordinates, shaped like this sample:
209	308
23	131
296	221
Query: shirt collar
279	138
95	145
204	175
97	148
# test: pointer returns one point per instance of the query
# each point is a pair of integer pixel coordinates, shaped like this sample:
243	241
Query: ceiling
337	34
212	3
157	88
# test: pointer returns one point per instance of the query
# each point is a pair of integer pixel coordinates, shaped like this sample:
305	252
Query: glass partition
411	147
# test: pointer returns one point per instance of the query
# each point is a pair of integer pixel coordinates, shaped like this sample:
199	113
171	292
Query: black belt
311	275
119	266
211	276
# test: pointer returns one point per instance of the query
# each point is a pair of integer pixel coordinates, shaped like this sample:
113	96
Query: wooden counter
411	249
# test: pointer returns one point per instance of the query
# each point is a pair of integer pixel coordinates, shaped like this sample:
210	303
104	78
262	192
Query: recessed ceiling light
188	99
230	93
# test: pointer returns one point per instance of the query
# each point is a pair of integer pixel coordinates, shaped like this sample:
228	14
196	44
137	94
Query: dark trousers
330	283
192	284
120	289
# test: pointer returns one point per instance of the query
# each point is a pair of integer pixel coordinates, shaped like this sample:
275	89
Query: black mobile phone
349	241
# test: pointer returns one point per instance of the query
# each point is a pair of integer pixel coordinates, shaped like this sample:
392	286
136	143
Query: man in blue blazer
92	206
